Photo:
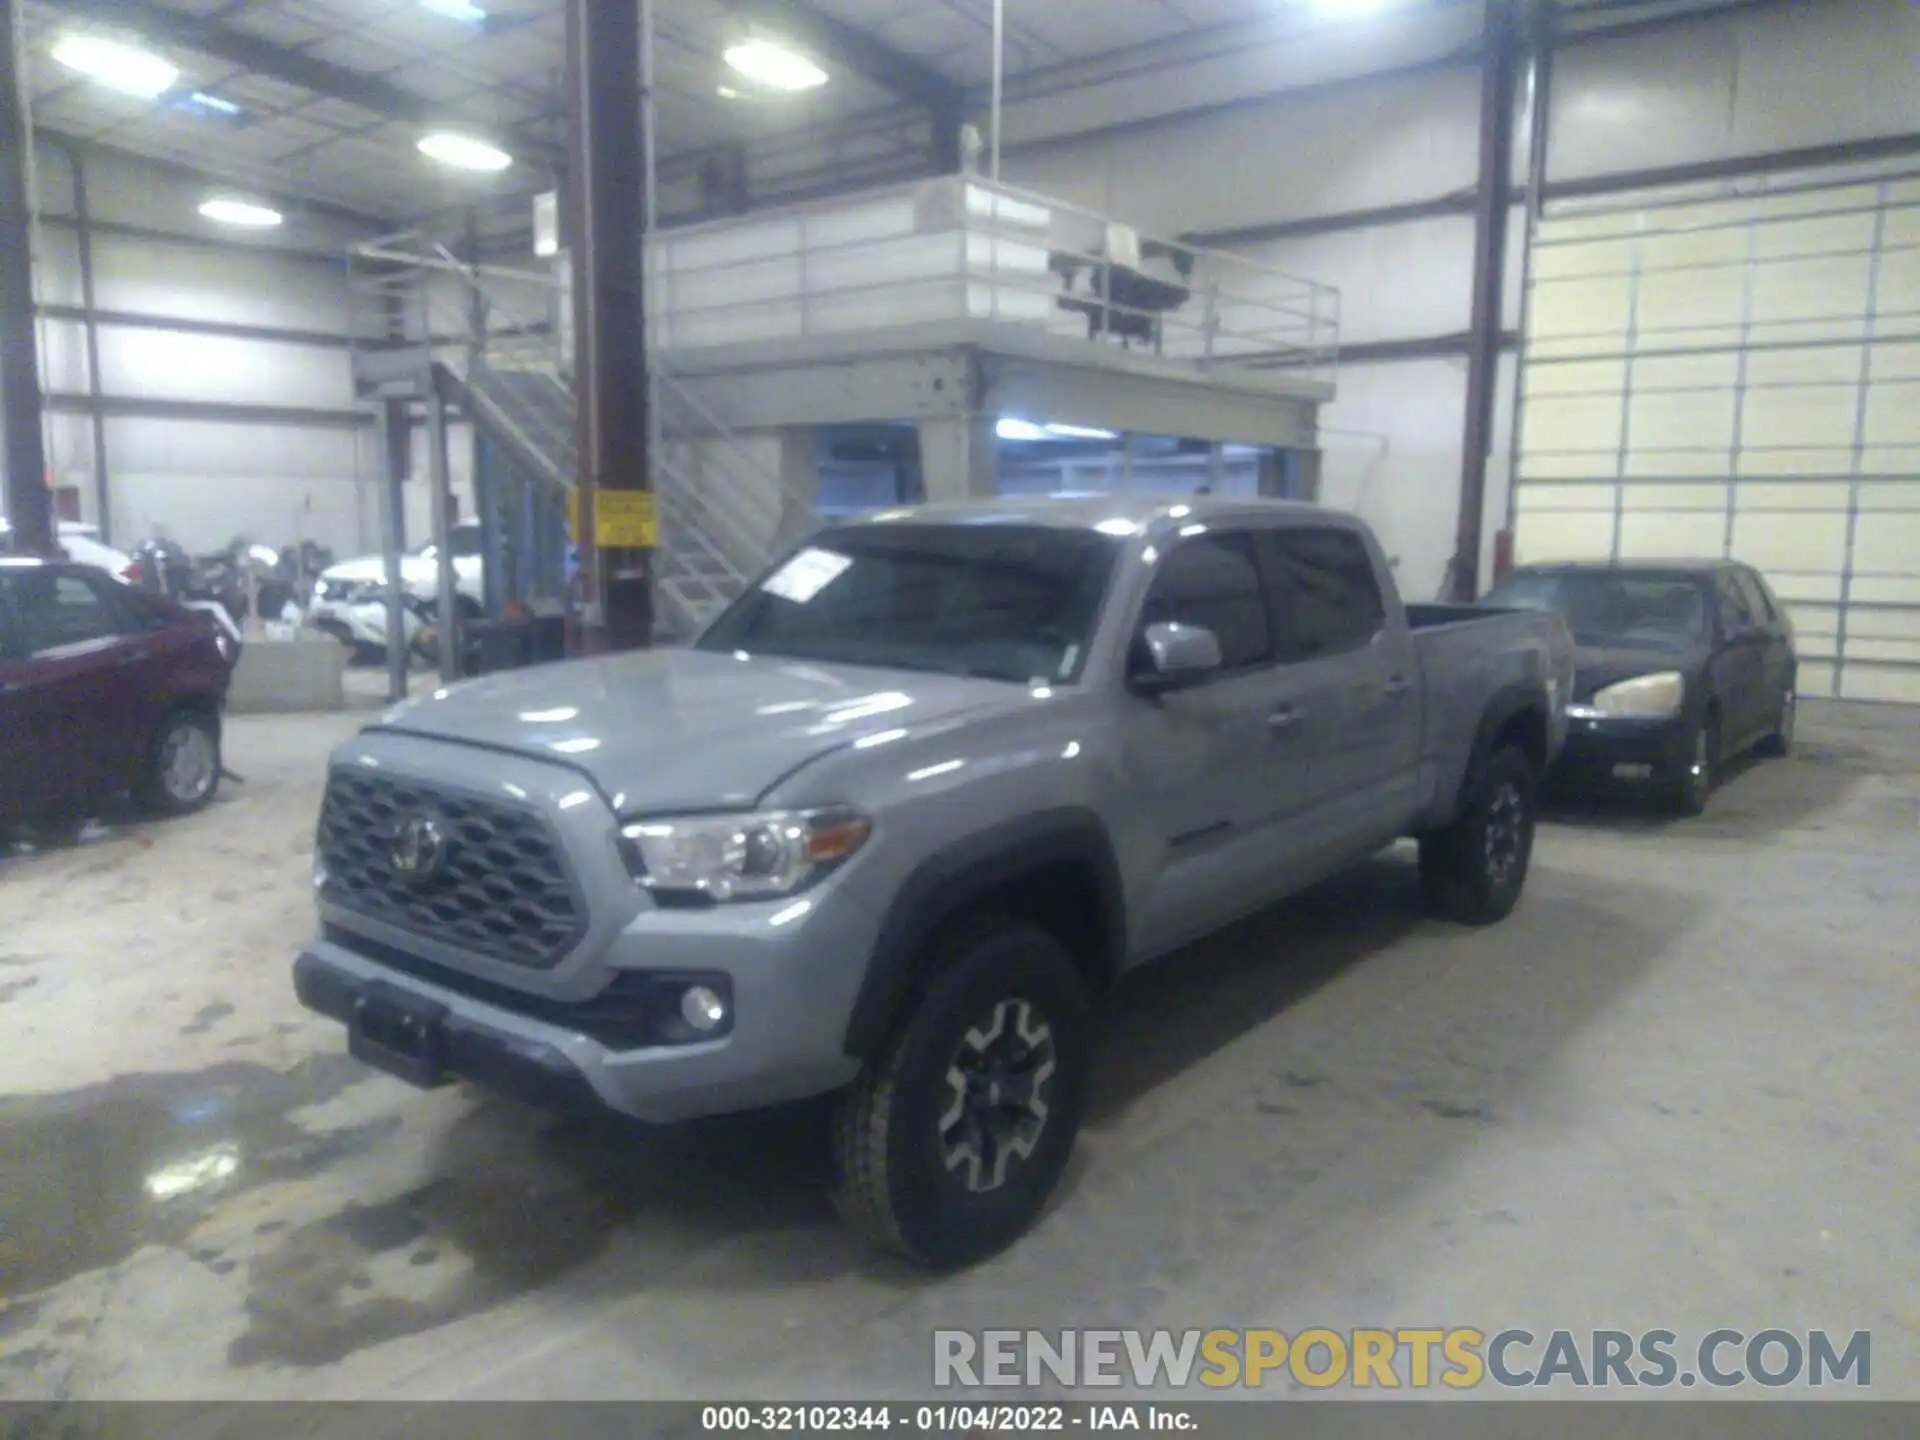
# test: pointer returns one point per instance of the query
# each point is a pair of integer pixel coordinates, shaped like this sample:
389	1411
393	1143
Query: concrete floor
1676	1090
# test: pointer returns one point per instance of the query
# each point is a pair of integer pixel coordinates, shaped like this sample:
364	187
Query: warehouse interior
1513	281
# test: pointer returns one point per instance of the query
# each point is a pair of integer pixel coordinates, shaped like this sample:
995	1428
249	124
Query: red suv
104	689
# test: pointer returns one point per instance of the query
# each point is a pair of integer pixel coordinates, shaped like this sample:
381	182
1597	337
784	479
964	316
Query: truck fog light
702	1009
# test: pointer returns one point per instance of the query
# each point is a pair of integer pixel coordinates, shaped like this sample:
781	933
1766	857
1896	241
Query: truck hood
669	730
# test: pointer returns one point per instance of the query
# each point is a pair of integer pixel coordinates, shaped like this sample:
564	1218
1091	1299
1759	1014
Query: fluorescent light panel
774	65
247	213
455	10
1013	428
463	152
118	66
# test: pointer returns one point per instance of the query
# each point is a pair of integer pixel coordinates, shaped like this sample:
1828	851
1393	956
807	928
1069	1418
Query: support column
1270	475
960	457
29	503
607	193
447	589
83	246
396	453
1490	212
1539	90
799	485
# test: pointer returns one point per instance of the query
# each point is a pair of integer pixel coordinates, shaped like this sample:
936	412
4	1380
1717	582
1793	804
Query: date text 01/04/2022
943	1419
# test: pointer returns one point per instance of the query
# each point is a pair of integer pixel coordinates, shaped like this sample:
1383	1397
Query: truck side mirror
1176	656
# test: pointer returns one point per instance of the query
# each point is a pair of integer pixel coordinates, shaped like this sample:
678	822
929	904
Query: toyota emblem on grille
419	849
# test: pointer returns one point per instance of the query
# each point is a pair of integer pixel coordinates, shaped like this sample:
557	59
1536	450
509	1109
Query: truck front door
1218	765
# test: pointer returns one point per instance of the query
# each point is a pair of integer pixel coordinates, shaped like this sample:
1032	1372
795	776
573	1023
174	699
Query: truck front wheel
1474	870
953	1137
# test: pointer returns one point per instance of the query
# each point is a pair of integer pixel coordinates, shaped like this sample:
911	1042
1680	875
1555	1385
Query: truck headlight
1645	697
742	857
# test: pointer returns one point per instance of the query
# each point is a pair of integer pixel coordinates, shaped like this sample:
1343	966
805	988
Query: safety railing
960	248
499	329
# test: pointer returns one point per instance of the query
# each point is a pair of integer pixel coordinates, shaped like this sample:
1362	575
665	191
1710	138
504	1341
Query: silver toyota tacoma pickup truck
902	813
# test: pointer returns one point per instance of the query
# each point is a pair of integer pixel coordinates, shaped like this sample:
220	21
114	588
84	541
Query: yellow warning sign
623	519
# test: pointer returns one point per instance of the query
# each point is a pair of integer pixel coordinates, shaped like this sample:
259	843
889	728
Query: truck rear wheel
953	1137
1474	870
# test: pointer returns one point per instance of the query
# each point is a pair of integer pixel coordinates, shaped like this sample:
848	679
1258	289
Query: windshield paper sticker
806	575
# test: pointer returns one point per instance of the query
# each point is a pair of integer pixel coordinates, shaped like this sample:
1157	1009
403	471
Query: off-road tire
1475	870
890	1180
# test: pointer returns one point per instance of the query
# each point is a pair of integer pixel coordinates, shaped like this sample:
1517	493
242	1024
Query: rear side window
1735	612
1327	597
1755	594
55	611
1214	581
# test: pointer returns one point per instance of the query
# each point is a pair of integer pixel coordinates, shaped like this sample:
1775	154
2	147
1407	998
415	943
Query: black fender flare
954	877
1516	698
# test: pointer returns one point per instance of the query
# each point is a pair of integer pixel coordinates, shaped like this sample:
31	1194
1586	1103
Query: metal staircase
724	509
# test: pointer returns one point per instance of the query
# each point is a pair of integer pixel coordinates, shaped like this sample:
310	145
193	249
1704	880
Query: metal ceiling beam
293	67
77	146
866	55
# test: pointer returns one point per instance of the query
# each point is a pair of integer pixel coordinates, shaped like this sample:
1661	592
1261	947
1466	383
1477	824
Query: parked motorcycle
167	569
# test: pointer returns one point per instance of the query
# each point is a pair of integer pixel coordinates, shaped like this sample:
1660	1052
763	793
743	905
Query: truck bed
1468	655
1427	617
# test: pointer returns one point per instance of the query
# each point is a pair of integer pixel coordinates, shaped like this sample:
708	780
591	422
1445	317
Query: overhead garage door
1739	377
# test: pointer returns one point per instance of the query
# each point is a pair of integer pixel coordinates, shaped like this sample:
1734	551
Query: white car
82	545
350	599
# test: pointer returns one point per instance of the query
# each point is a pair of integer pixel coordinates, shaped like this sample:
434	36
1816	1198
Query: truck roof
1090	512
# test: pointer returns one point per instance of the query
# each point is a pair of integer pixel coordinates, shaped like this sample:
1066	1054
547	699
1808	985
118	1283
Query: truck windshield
1602	608
1005	602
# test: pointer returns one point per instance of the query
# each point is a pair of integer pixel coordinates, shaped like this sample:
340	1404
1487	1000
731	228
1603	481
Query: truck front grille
486	878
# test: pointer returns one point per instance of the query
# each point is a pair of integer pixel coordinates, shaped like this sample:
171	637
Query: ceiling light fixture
774	65
229	211
217	104
1081	432
456	10
1353	9
125	68
1014	429
463	152
727	92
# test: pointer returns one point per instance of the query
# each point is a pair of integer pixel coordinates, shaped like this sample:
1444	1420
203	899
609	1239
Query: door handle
1284	719
1399	685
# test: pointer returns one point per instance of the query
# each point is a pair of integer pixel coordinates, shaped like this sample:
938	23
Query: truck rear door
1338	629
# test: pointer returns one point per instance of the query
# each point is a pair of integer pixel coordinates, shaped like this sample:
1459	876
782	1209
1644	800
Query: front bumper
361	622
789	998
792	969
1608	752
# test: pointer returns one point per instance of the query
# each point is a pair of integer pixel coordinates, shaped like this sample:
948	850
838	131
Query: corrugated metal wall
1740	375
